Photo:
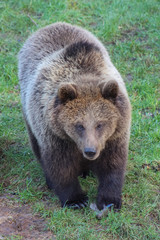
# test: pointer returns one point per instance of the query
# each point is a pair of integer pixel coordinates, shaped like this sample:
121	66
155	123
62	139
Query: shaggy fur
77	112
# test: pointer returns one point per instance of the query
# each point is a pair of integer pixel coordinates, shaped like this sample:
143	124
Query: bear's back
48	40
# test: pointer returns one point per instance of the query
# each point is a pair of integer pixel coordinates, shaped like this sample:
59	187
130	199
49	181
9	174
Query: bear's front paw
80	202
103	201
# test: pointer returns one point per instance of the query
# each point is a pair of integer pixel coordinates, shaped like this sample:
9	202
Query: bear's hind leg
34	143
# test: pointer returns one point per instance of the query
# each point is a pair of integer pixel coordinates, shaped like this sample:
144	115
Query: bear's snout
90	152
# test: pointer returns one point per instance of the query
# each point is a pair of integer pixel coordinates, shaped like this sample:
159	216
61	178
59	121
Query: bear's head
88	115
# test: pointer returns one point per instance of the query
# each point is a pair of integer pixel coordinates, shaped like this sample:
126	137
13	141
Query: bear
77	112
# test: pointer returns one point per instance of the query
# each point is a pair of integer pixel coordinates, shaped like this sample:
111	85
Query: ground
17	221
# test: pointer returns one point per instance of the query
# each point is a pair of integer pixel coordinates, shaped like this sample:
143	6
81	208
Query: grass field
130	31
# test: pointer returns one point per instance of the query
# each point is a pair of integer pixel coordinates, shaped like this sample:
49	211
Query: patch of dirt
129	77
155	167
4	146
139	35
18	220
147	112
133	32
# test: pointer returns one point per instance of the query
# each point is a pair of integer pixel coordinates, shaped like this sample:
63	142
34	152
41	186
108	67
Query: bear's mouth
90	155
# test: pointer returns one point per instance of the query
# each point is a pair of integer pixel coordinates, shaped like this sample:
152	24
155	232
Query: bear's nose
90	152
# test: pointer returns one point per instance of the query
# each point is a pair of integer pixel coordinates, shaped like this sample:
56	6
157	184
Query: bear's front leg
62	176
68	191
109	190
110	170
71	195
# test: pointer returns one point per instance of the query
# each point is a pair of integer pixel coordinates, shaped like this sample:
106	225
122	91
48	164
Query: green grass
130	31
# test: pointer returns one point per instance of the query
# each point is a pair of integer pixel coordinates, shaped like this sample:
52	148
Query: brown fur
77	112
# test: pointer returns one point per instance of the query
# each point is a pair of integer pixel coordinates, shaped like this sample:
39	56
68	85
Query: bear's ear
109	89
67	92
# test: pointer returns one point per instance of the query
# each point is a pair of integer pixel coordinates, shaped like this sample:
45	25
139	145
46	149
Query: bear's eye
99	126
80	128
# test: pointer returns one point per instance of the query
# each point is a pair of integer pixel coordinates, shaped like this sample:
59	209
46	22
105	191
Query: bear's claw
77	204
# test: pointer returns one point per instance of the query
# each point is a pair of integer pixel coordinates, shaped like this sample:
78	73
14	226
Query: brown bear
77	112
